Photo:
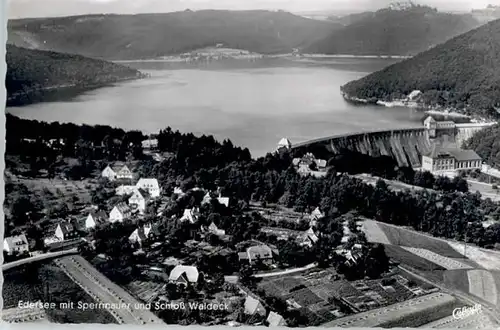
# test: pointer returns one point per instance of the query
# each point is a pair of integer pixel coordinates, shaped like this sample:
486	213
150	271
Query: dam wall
406	146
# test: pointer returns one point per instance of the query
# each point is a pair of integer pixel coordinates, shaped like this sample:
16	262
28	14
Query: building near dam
442	159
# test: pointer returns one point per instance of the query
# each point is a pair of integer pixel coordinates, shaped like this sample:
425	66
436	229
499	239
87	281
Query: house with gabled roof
141	234
275	320
308	238
150	185
222	200
190	215
257	252
215	230
138	201
108	173
150	144
120	212
125	190
65	231
184	275
284	144
253	306
124	173
16	245
95	219
315	216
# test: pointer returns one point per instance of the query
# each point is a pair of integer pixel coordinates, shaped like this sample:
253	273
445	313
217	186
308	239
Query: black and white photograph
273	163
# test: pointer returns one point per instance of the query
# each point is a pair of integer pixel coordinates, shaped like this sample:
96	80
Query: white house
109	173
124	173
120	212
315	216
222	200
94	219
138	201
215	230
141	234
184	274
253	306
149	185
275	320
190	215
284	144
308	238
65	231
150	144
16	244
125	190
257	252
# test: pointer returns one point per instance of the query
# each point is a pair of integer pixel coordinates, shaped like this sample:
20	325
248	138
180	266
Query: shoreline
39	92
257	56
437	111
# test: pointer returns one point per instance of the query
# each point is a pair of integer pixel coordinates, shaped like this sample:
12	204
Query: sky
44	8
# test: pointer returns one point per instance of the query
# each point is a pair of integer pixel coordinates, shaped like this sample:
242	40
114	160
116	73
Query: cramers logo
462	313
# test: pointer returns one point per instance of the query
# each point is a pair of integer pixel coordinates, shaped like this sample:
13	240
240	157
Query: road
487	307
486	190
286	272
127	310
39	257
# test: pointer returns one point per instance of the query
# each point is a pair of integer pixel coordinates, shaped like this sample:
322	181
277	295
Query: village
141	204
190	245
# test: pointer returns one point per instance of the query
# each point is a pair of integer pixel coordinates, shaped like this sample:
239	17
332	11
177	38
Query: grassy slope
153	35
400	236
394	32
461	73
29	70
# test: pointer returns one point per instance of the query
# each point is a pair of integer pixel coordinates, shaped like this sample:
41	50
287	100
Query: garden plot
482	284
438	259
145	291
374	233
484	258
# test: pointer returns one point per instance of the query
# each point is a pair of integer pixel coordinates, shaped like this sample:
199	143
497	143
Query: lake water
254	105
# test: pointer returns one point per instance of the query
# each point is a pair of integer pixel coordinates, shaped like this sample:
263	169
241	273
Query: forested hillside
461	73
487	145
153	35
31	72
393	32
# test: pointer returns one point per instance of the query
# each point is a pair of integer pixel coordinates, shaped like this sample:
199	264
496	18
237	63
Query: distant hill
32	73
389	31
462	73
153	35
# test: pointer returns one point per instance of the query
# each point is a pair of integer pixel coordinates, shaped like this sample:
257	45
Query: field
322	292
405	257
414	312
438	259
482	284
485	258
401	236
145	291
374	233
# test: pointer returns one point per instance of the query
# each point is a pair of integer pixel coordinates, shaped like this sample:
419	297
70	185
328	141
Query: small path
287	271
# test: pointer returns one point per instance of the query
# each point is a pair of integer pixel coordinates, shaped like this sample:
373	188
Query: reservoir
254	104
